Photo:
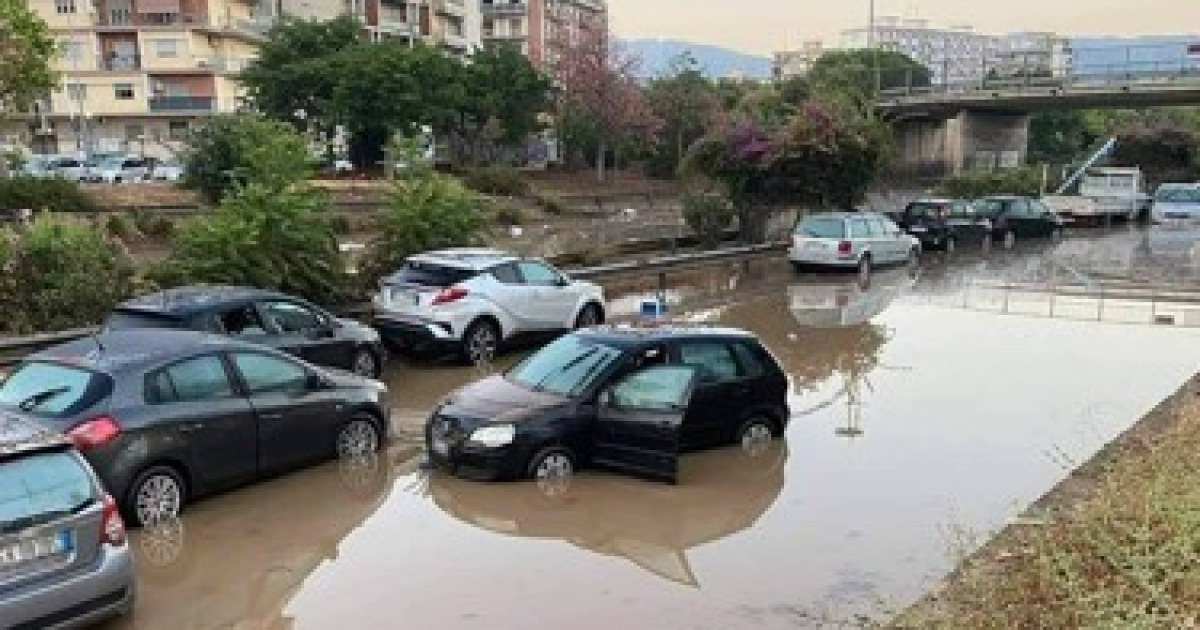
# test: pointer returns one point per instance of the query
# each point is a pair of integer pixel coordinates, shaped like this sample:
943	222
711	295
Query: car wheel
589	316
365	364
864	270
157	495
755	434
552	469
480	342
357	438
1010	239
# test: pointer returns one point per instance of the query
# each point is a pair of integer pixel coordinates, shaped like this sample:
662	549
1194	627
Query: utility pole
871	25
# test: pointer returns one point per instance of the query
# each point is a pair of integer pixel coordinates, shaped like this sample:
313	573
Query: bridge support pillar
972	140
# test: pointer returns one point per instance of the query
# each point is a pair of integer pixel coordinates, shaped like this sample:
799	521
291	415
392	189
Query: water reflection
235	560
846	303
652	525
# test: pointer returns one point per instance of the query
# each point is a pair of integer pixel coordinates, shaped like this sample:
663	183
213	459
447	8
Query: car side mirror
316	383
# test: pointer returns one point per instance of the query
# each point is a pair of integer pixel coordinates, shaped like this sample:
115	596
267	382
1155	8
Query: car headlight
494	436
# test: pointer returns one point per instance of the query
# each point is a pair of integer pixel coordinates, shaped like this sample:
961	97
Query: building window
72	51
64	7
166	48
177	130
123	91
77	91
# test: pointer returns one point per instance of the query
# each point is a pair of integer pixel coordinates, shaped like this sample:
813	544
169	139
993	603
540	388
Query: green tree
1166	153
687	103
708	214
26	50
262	236
853	78
229	152
504	101
1060	137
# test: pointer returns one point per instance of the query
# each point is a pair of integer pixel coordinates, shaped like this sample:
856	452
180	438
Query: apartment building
455	25
542	27
1032	54
953	55
797	62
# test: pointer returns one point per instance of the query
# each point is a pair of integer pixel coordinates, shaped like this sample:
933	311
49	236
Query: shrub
422	213
509	215
49	193
262	237
122	226
233	151
59	273
551	204
1021	181
340	224
496	180
708	215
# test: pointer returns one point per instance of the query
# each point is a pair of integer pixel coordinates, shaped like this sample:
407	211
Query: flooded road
920	419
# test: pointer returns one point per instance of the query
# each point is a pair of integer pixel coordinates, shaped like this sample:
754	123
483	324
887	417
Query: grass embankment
1115	546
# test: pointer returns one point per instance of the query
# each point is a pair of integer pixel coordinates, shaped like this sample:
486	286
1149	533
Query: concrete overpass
948	129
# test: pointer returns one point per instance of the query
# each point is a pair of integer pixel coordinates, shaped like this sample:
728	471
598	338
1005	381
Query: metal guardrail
14	349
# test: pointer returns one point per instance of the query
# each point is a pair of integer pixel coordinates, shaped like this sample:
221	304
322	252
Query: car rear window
431	275
822	228
926	209
40	487
53	389
132	319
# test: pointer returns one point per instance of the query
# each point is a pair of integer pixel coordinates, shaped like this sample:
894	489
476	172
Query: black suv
167	415
928	220
630	398
259	316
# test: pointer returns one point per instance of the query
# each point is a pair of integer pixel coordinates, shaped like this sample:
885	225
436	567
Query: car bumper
413	333
807	259
481	463
100	591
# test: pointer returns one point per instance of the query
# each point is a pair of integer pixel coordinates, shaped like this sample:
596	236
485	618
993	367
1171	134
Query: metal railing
182	103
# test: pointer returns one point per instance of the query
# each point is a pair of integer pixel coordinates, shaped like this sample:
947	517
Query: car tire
755	432
1010	239
552	468
157	494
366	364
358	437
480	342
590	315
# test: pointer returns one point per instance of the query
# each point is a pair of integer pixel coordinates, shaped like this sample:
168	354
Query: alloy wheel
365	364
553	473
357	439
588	317
756	436
158	499
481	344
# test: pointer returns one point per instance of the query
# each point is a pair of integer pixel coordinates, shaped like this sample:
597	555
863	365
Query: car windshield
41	487
822	227
566	367
1179	195
49	388
992	206
121	319
430	275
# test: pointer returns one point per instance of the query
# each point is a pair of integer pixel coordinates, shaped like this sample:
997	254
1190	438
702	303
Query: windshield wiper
38	399
587	376
568	365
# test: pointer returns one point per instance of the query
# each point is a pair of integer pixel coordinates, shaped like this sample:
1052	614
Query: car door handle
190	427
271	416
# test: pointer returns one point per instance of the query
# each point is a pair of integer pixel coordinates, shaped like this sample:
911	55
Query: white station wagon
851	241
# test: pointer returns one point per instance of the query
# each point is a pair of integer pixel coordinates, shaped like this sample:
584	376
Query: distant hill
656	55
1114	55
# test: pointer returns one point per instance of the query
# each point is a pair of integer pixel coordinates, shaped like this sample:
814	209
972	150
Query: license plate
401	296
19	552
814	246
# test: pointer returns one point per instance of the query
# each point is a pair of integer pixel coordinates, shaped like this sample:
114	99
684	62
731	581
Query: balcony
456	8
494	34
182	104
504	9
120	63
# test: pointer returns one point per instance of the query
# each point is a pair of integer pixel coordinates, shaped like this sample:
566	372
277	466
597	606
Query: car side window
748	359
268	374
860	228
662	388
714	361
538	274
242	320
293	319
507	274
192	380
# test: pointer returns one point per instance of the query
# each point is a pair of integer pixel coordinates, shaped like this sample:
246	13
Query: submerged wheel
157	495
357	438
480	342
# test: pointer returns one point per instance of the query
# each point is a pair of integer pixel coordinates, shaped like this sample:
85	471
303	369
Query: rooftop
628	333
108	351
184	300
466	257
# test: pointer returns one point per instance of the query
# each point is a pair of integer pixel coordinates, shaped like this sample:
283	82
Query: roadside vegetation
1119	550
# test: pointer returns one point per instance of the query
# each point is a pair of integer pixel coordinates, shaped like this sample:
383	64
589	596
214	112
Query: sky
762	26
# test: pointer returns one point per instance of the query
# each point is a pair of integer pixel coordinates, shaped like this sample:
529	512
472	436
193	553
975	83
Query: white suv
473	300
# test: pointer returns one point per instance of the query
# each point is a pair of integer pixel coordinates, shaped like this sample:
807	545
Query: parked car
36	166
66	167
167	416
119	170
260	316
1176	203
64	557
929	221
1005	219
631	398
166	171
851	241
475	300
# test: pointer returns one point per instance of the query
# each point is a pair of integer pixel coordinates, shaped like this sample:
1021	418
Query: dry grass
1120	550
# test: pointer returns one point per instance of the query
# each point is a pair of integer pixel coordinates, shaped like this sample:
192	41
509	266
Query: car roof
18	435
1005	197
627	335
842	214
131	350
935	200
185	301
475	258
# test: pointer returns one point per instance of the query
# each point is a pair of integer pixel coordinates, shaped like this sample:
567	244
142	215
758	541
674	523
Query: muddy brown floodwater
917	418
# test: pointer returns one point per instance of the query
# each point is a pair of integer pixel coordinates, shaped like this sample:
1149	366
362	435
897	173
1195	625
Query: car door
306	332
638	424
891	239
553	300
862	238
296	422
1047	221
722	393
1021	217
195	398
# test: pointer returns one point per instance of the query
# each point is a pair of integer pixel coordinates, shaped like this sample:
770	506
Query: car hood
359	331
496	399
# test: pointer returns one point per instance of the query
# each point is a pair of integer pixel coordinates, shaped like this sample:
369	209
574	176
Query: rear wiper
18	524
38	399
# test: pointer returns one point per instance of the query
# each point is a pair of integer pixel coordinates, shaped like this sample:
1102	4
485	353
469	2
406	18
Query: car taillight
844	248
95	432
451	294
112	528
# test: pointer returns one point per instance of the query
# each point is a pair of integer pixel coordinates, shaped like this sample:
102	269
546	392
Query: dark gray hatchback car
64	558
166	416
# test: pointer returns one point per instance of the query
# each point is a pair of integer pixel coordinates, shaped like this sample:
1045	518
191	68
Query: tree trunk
601	154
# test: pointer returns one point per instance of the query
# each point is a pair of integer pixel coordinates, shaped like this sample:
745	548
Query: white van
1175	203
